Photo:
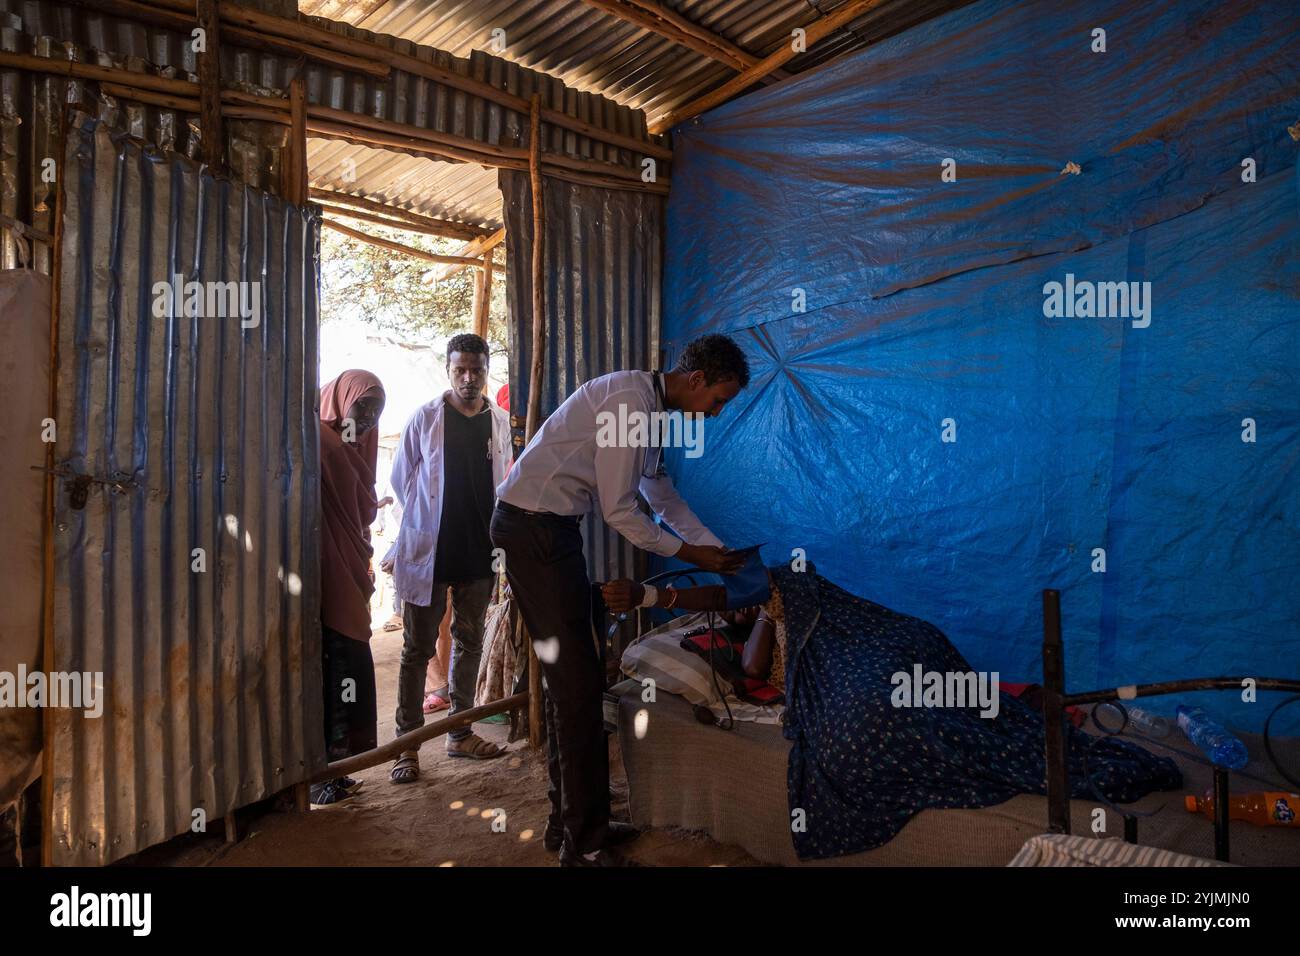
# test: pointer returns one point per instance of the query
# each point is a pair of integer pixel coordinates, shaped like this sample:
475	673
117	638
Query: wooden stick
181	17
816	31
397	246
297	152
87	71
378	220
531	423
483	296
479	246
469	150
213	140
435	227
671	25
378	133
568	175
412	739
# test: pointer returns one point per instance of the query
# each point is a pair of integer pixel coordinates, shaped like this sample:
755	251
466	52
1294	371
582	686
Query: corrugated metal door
185	524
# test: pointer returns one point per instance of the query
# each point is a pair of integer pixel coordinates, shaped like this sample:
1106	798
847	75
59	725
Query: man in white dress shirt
570	468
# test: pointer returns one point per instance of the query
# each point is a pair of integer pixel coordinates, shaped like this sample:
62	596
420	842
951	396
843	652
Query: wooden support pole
232	827
397	246
296	154
412	739
535	373
213	138
483	296
345	212
477	247
434	227
302	797
816	31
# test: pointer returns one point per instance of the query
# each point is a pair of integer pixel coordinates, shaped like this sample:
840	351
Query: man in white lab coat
454	452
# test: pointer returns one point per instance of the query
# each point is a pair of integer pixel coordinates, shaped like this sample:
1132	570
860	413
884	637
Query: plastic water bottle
1140	720
1215	741
1148	723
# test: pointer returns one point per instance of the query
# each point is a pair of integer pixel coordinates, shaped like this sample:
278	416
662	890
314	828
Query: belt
510	509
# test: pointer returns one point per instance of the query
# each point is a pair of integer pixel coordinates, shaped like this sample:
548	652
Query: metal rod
1181	687
1058	788
1220	814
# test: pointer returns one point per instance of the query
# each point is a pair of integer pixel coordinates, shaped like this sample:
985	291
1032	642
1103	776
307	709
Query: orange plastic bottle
1269	808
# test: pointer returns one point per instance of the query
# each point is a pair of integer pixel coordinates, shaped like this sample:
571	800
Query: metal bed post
1058	788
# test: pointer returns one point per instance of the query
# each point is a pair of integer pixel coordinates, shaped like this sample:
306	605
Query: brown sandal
473	747
407	767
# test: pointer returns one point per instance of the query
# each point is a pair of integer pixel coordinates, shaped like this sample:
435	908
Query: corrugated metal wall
206	675
602	260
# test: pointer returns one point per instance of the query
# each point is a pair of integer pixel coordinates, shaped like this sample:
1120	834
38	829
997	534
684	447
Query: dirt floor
444	819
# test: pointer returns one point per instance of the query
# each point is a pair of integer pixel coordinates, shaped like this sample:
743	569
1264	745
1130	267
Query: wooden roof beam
475	249
815	32
671	25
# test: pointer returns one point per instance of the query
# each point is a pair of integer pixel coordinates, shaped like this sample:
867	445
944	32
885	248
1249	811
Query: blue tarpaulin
939	430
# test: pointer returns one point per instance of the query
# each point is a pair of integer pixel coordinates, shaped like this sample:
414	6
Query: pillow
660	656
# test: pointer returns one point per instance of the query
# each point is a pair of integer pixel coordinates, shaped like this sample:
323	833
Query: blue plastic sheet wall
923	306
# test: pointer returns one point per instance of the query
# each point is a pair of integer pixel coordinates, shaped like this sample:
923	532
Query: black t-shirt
464	548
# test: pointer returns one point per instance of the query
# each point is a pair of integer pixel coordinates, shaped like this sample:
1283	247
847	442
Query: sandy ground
444	819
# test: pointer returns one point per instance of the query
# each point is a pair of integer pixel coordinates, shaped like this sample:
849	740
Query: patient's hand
622	595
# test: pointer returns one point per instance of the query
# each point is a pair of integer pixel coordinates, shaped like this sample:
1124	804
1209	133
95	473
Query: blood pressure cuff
749	586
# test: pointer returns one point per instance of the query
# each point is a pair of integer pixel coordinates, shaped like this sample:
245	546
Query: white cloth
417	485
563	471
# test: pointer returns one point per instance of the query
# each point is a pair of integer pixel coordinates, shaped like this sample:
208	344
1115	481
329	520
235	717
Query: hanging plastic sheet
939	427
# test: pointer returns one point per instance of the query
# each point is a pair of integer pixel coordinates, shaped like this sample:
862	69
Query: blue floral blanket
864	759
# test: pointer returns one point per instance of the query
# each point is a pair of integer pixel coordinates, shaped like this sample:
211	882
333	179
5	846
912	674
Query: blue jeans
469	604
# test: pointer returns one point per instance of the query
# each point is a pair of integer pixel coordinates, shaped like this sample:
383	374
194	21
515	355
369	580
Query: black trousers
351	715
548	577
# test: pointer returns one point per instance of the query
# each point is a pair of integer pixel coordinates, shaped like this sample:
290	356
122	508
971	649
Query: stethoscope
660	469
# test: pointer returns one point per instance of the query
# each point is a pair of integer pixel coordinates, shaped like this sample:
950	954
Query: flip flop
433	703
407	767
479	749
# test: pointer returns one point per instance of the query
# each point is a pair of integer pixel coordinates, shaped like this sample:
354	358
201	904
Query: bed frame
1055	700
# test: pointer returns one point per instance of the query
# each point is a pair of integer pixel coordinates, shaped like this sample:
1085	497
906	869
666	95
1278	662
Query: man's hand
386	566
622	595
708	558
384	501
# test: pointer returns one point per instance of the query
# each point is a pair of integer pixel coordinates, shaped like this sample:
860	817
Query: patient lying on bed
865	759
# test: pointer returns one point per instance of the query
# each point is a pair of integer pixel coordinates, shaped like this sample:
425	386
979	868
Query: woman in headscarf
350	406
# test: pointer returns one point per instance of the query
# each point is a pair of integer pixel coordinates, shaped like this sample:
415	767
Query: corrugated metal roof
460	192
595	51
210	677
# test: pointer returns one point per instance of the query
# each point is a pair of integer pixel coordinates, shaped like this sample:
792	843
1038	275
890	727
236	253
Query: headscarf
348	504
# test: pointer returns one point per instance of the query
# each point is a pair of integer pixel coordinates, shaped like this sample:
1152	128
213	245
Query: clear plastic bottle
1213	739
1139	720
1148	723
1262	808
